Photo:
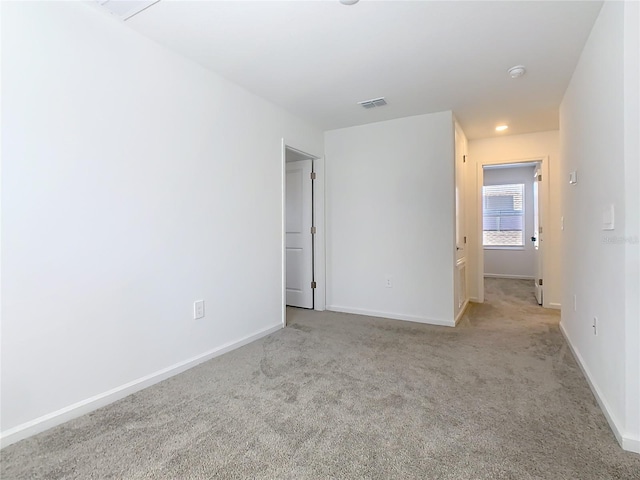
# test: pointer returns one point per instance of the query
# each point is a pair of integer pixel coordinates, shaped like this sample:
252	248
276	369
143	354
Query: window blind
503	215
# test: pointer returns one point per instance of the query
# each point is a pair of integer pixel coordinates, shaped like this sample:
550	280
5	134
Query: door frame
543	199
319	268
537	188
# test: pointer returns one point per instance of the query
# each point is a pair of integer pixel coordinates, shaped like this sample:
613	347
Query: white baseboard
83	407
631	444
513	277
461	312
394	316
474	299
557	306
625	441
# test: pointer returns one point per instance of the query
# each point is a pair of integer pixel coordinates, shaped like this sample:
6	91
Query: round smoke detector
348	2
517	71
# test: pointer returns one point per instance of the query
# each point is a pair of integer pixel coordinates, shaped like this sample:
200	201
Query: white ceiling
317	59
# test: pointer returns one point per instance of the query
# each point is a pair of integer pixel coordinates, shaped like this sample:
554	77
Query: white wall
516	263
632	223
505	150
134	182
599	138
390	211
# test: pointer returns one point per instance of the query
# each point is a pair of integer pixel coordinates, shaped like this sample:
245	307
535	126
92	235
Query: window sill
505	247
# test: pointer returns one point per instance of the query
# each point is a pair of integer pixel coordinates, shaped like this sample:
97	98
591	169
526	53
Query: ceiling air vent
374	102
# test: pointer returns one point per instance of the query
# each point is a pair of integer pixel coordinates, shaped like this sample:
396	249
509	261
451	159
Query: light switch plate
608	218
573	177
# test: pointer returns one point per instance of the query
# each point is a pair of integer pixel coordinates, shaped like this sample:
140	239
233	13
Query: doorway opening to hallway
303	230
512	204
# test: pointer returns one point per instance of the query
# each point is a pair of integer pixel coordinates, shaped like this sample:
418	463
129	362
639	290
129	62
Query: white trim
557	306
626	442
283	225
512	277
461	312
631	444
319	263
83	407
474	300
393	316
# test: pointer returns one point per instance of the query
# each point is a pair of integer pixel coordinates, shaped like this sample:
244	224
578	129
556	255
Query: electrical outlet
595	326
198	309
388	281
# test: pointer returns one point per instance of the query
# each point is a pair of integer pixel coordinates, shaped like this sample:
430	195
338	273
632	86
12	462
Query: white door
460	159
537	234
460	285
299	239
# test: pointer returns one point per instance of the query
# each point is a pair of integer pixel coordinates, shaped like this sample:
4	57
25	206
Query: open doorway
513	206
303	230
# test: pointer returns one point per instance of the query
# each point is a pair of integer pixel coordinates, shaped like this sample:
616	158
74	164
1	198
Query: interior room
508	196
511	222
298	239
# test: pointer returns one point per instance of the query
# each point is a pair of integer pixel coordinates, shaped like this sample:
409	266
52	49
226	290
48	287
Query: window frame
522	217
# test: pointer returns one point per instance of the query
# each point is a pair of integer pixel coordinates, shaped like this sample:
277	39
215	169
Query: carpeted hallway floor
349	397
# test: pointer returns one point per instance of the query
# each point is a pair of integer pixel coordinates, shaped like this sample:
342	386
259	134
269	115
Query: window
503	215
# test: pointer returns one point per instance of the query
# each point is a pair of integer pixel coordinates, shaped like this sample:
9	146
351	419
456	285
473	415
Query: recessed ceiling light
517	71
501	128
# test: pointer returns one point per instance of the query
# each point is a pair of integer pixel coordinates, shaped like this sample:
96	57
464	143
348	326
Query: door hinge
540	282
313	284
313	175
464	159
313	230
539	229
539	178
465	239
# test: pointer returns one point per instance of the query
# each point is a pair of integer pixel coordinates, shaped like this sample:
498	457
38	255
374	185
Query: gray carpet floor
345	396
